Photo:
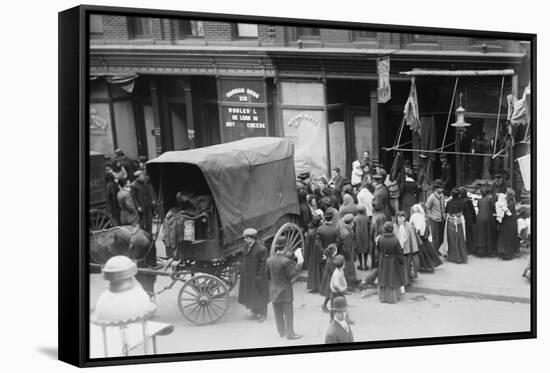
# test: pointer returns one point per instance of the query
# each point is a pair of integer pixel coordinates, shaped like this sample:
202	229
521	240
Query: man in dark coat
347	248
282	272
253	287
339	330
380	199
144	198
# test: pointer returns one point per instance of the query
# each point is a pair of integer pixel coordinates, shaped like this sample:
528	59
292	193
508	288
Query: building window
364	35
488	42
246	30
140	28
191	29
423	38
308	33
96	26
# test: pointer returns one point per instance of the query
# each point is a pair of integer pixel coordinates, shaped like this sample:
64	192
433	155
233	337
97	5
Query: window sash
246	30
141	27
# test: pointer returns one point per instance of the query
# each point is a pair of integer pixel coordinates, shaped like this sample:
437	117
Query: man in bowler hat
339	330
282	272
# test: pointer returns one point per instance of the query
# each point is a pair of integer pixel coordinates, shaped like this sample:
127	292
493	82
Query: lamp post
461	125
123	303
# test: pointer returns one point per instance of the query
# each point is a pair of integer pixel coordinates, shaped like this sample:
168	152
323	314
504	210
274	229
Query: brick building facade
171	84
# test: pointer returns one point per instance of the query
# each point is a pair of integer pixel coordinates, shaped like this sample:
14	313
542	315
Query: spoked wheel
203	299
99	220
293	235
229	274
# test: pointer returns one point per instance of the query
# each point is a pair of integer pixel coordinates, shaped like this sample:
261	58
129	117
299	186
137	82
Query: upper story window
246	30
96	26
140	28
423	38
308	33
191	29
364	35
488	42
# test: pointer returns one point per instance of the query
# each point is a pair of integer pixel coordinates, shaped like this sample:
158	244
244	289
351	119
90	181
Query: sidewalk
482	278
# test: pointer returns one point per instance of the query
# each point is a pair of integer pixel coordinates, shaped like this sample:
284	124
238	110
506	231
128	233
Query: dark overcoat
328	233
253	287
485	231
362	233
337	334
380	202
508	242
347	249
391	262
281	271
327	276
315	256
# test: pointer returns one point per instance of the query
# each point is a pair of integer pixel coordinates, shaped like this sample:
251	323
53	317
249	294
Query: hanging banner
525	168
384	88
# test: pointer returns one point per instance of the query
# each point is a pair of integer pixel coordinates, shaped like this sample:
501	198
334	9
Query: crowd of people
387	222
130	199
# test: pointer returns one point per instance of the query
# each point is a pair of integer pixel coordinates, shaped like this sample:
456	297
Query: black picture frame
74	44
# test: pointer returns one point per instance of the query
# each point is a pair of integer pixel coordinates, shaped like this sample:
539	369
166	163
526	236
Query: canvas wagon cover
252	180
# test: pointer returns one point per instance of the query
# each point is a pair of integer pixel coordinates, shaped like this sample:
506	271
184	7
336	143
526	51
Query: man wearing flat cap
143	194
253	286
282	272
380	198
339	330
435	210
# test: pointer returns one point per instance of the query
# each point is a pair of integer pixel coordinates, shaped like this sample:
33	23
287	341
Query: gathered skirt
456	240
429	259
388	294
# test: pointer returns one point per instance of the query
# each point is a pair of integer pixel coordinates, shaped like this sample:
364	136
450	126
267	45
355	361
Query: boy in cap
282	272
253	286
435	209
339	330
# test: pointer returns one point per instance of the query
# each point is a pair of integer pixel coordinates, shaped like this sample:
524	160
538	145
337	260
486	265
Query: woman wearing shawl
390	274
508	242
406	235
362	236
315	256
429	259
348	206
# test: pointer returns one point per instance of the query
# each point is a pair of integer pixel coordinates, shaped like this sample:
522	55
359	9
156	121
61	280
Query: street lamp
123	303
460	123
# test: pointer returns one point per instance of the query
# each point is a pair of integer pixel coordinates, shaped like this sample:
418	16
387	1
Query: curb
458	293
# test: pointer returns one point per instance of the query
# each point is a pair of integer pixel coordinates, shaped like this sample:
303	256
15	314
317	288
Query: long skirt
456	240
428	257
388	294
410	268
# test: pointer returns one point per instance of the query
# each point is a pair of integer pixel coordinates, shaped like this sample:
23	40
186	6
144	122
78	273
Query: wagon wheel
294	237
203	299
229	274
100	220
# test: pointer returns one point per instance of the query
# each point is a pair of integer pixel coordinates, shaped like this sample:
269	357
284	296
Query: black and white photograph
264	184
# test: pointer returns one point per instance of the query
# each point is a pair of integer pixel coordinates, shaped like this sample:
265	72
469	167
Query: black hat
339	304
304	175
377	177
438	183
280	242
443	156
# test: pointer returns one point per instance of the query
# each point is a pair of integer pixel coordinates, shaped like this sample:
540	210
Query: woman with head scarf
348	206
429	259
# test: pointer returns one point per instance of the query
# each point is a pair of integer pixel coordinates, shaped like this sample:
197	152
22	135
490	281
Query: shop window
364	35
140	28
295	93
246	30
308	33
423	38
191	29
96	26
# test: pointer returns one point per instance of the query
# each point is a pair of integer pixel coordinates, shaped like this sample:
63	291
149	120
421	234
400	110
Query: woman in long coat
508	242
324	290
253	285
469	219
429	259
455	232
407	237
315	256
347	248
362	236
485	231
390	273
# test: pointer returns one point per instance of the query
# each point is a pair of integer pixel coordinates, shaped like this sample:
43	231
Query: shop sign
245	92
297	119
241	122
384	87
97	123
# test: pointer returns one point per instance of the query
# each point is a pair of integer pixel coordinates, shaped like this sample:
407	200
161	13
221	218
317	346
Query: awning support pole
449	116
498	116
